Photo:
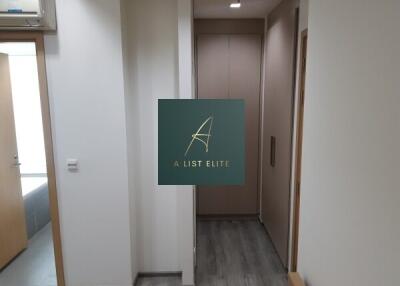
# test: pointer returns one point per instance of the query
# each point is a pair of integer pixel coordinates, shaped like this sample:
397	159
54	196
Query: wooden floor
232	253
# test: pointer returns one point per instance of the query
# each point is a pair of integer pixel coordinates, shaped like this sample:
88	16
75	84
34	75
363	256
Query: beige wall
349	229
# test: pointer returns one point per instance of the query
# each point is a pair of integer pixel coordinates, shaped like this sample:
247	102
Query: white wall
164	214
186	197
131	112
349	230
152	74
85	74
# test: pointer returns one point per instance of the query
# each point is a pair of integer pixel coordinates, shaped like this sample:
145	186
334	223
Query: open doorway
232	244
30	249
248	51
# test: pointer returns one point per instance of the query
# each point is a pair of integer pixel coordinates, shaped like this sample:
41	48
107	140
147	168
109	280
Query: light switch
72	165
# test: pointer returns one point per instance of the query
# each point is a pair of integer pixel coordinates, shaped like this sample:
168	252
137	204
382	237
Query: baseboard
156	274
295	279
228	217
136	279
159	274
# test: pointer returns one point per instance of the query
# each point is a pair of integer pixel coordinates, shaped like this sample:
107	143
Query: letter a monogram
202	137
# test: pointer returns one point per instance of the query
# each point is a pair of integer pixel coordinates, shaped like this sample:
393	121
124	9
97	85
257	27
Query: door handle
272	151
17	162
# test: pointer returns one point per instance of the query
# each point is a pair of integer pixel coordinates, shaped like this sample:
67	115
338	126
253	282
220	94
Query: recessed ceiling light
235	5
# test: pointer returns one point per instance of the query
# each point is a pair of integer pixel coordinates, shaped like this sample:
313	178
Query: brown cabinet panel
229	66
213	66
278	107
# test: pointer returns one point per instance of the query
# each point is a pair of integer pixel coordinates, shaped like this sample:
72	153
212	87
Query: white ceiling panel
219	9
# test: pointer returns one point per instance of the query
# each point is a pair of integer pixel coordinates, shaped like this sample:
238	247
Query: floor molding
295	279
228	217
159	274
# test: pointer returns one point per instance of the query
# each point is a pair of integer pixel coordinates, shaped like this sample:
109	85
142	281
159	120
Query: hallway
236	253
231	253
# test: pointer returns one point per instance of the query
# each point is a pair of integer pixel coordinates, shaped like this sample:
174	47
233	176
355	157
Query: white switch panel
72	165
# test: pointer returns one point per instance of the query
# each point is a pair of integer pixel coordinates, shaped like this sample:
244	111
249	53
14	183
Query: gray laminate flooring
35	266
231	253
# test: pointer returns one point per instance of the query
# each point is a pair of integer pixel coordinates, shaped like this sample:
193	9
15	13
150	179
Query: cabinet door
13	237
278	104
213	66
229	66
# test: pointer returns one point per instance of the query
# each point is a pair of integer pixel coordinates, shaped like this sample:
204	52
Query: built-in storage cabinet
229	67
278	119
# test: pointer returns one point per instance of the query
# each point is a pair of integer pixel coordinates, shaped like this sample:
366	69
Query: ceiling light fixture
235	5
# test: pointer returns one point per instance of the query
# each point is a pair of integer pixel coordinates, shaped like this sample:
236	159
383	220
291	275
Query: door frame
37	38
299	148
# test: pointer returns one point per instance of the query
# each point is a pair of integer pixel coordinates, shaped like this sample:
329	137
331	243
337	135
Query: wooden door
229	67
13	237
277	127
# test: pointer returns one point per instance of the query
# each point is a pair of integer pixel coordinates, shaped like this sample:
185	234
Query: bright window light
235	5
27	112
30	184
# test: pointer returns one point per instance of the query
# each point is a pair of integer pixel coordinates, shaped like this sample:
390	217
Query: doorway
243	231
232	244
30	249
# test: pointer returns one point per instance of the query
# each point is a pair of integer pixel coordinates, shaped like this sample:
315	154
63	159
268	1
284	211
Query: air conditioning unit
27	15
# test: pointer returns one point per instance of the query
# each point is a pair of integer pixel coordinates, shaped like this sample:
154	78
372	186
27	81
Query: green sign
201	142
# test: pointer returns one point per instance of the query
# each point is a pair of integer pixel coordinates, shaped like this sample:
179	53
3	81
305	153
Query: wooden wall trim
37	37
299	148
229	26
295	279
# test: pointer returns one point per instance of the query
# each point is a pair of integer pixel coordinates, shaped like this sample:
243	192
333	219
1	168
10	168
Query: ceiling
220	8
